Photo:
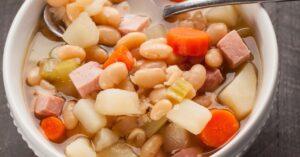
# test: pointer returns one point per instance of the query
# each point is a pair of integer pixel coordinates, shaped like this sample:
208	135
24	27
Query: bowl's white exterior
19	37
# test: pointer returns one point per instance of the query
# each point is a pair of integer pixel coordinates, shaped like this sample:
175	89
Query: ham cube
133	23
234	49
47	105
85	78
214	78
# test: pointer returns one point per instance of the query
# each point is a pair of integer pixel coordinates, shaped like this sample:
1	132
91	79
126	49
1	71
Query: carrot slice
53	128
219	129
188	41
121	54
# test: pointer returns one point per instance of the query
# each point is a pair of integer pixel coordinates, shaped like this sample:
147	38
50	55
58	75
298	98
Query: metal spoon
154	9
199	4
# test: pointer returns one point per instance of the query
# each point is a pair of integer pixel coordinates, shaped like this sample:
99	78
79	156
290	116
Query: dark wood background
280	136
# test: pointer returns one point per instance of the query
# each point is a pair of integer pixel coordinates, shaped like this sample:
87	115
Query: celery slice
179	90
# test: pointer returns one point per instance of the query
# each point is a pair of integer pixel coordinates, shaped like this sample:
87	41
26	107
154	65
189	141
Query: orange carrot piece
188	41
219	129
121	54
53	128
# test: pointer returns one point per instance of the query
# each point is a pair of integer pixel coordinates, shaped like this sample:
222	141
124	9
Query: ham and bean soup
119	85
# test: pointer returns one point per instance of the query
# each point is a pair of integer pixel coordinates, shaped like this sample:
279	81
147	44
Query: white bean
69	51
152	146
132	40
108	36
156	49
34	77
216	32
173	73
113	75
126	85
68	116
214	58
158	94
108	16
97	54
148	78
137	137
160	109
196	76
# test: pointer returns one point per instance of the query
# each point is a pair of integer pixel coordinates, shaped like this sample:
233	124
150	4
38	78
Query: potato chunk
240	94
190	116
82	32
116	102
79	148
224	14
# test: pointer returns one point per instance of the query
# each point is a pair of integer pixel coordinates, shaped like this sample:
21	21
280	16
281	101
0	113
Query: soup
119	83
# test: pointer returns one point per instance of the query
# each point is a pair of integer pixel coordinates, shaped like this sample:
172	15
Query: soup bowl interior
20	35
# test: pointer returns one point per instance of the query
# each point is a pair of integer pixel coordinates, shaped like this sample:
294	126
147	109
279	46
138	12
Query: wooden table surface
280	136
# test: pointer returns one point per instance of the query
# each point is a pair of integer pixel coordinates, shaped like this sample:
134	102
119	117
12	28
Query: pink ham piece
234	49
189	152
85	78
47	105
214	78
133	23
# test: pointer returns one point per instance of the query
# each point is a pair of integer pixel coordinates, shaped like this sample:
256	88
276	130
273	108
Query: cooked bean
73	10
153	64
124	125
196	76
116	1
132	40
155	49
57	3
199	20
137	137
68	116
46	85
108	36
136	54
173	73
113	75
108	16
216	32
214	58
158	94
160	109
126	85
152	146
204	100
186	23
34	77
148	78
97	54
70	51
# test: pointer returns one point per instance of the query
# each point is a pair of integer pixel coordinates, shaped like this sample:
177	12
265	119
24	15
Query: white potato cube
104	139
224	14
116	102
82	32
240	94
95	7
85	112
81	147
190	116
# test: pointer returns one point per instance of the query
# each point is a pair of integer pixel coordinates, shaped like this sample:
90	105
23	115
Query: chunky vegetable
188	41
179	90
79	148
156	31
222	126
53	128
82	32
118	102
121	54
240	94
104	139
152	127
224	14
190	116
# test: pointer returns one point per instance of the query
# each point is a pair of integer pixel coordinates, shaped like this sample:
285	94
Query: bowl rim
237	143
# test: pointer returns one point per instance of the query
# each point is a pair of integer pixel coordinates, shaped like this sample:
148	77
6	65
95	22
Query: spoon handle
198	4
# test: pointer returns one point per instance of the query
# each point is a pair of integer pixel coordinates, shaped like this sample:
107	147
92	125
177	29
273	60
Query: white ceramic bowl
16	46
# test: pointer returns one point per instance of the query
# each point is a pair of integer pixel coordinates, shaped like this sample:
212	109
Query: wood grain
280	136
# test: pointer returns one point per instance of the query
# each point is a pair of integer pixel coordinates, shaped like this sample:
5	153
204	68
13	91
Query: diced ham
85	78
234	49
214	78
47	105
189	152
133	23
